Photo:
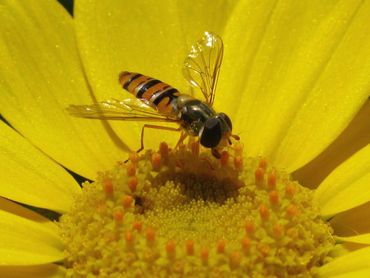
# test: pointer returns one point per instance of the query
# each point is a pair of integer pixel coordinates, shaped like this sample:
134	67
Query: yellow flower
294	75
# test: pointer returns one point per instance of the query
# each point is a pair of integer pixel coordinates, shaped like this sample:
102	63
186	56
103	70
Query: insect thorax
193	114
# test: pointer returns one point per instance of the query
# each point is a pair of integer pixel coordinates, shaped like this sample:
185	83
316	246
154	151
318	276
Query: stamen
132	183
224	158
138	226
238	149
150	237
118	216
163	149
189	246
204	255
238	162
271	181
290	190
274	197
129	238
249	227
259	176
108	187
292	211
156	161
131	170
221	244
246	244
134	157
264	212
263	164
171	250
127	201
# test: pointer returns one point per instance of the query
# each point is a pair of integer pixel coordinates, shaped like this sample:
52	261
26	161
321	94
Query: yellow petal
355	261
38	271
30	177
40	75
297	92
27	238
362	239
352	139
347	186
352	222
354	274
151	37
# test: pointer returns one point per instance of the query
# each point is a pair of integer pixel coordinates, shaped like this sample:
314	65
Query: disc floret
183	212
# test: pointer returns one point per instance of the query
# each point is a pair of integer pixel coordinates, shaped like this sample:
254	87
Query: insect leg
154	127
181	139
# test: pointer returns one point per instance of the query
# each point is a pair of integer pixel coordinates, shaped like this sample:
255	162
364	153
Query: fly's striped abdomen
158	93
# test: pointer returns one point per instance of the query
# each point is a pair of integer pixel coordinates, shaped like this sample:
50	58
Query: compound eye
212	133
227	120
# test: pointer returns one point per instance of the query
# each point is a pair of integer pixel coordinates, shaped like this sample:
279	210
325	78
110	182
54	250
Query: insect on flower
157	101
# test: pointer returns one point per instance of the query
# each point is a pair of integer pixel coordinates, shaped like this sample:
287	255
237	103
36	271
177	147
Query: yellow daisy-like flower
295	73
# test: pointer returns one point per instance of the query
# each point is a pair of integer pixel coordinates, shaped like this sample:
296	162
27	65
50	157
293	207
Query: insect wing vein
202	65
126	110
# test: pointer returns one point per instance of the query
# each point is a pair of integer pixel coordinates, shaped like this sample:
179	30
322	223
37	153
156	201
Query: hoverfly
159	102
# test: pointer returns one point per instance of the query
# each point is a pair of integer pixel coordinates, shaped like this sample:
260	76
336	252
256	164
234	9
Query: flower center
182	212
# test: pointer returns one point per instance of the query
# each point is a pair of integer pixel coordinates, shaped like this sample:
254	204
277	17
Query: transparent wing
125	110
202	65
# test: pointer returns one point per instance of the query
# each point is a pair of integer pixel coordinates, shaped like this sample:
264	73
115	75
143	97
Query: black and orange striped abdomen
155	91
